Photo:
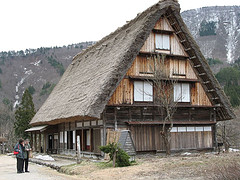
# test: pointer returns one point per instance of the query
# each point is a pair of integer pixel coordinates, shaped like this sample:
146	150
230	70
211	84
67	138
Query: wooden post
35	141
44	143
115	119
31	139
78	150
215	129
90	134
39	142
104	127
3	147
82	141
114	158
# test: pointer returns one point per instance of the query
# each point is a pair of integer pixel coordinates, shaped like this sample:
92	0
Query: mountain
37	69
217	31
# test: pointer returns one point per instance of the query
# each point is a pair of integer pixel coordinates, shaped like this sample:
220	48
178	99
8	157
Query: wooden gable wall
177	63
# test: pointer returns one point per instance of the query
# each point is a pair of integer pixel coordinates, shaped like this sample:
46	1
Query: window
143	91
181	129
192	129
162	41
181	92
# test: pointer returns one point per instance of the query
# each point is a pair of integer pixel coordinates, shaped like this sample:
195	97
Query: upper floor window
182	92
162	41
143	91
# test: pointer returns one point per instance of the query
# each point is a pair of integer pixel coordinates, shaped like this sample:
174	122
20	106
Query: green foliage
24	115
47	88
122	158
229	77
7	104
234	93
6	101
212	61
57	65
31	90
0	84
207	28
0	71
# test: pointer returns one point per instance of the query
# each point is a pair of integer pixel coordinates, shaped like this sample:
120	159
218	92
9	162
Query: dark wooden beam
147	104
175	122
162	31
149	54
164	79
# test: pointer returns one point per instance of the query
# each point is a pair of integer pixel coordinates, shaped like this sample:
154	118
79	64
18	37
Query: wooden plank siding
198	95
148	138
149	45
142	66
163	24
144	119
123	94
175	46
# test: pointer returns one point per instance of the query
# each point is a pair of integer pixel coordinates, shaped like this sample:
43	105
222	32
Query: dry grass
226	172
196	166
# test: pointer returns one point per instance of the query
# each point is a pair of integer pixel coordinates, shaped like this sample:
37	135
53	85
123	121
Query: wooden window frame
181	101
155	42
143	92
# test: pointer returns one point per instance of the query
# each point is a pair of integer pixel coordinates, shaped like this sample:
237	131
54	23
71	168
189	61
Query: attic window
162	41
143	91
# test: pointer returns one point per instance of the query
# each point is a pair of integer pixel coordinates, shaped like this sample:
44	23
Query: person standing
19	147
26	153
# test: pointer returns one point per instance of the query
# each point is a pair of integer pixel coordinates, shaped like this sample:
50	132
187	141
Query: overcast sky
44	23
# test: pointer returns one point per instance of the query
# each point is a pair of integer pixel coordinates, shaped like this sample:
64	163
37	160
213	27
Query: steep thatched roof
94	74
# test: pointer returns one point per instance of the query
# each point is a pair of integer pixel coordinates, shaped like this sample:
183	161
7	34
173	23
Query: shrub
31	90
57	65
207	28
47	88
122	158
6	101
226	172
212	61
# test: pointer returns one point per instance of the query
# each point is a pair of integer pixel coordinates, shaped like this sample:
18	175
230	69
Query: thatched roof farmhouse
85	89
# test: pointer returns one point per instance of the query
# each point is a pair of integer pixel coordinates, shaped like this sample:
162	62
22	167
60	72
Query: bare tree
164	96
228	132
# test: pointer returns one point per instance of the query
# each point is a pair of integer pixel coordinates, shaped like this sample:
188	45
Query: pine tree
24	115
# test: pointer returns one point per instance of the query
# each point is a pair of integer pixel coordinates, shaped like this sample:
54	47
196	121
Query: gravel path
38	172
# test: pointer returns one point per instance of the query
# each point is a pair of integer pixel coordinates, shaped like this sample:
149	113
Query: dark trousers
26	164
20	163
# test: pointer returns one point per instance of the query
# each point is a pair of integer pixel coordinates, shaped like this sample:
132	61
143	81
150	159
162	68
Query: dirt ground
8	171
194	166
182	167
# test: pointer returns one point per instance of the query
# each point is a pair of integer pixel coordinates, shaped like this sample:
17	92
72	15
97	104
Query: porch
62	138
